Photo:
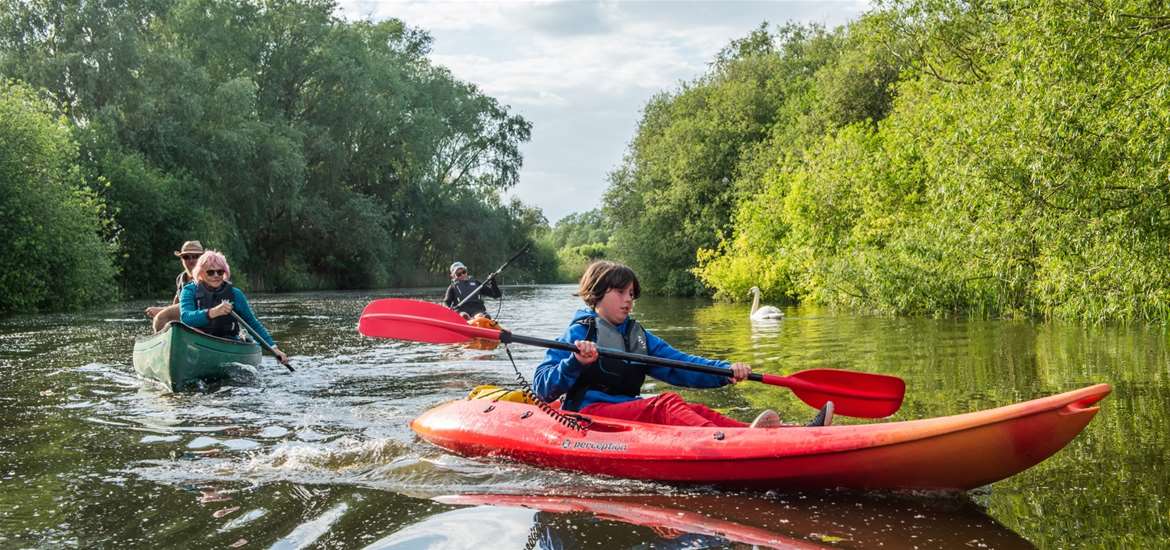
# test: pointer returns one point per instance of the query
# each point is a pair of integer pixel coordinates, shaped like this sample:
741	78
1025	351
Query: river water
92	456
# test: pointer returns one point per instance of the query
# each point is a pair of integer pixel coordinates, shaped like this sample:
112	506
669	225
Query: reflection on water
324	456
707	520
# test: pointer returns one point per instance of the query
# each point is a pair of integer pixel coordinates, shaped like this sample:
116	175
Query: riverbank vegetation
935	157
315	151
577	240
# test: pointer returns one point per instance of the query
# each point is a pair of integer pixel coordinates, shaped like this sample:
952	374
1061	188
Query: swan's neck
755	301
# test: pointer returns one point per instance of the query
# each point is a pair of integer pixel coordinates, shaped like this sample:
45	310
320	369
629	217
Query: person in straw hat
188	254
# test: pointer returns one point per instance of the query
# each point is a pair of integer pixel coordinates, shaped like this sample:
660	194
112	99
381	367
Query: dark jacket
461	289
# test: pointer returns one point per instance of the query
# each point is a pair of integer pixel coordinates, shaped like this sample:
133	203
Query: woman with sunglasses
208	302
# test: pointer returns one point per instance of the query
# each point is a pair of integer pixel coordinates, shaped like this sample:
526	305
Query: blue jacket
198	317
560	370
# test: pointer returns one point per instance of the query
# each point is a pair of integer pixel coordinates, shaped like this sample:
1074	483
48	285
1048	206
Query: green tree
50	223
1012	167
151	213
695	153
581	228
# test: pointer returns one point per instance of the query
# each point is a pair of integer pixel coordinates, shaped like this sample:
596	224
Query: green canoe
179	357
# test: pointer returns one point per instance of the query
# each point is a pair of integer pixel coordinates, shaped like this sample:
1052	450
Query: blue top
560	369
198	317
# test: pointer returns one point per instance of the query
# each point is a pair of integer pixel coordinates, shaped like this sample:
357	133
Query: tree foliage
581	228
697	152
50	222
319	153
1002	158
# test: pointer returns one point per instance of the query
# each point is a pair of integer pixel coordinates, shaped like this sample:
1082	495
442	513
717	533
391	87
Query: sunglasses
461	272
190	257
215	272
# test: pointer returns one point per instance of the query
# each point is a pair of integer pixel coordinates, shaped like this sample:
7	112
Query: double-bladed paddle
857	394
490	277
259	340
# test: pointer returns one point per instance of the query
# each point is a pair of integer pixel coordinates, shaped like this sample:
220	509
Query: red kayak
958	452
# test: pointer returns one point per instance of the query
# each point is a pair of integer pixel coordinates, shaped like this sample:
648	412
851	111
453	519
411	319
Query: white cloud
636	56
432	16
582	71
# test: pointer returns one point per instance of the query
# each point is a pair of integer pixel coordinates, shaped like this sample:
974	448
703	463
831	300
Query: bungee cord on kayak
576	422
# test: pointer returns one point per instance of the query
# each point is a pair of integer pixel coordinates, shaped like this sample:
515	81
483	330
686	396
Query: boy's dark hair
603	275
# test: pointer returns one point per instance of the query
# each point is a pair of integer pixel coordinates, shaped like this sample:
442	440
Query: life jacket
205	298
610	375
475	304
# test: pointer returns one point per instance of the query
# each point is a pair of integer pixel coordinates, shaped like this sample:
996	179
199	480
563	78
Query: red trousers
668	408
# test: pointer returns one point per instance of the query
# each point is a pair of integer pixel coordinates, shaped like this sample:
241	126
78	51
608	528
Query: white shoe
767	419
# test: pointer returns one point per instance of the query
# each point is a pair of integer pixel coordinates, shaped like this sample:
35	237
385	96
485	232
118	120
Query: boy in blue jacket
609	387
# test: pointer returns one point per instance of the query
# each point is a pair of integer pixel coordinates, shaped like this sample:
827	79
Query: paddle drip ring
576	422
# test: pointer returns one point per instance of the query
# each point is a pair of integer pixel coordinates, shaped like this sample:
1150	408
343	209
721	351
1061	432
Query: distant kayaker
207	303
188	254
609	387
462	286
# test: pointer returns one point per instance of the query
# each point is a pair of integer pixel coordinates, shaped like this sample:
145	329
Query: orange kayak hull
957	452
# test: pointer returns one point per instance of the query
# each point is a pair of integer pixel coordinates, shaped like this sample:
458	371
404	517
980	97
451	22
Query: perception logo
570	444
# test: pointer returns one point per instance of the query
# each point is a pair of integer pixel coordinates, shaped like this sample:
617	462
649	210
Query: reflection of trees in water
951	366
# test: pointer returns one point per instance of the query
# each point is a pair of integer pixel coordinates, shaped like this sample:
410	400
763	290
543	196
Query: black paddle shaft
490	277
507	338
257	337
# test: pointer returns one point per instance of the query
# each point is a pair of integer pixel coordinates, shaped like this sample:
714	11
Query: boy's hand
586	352
740	372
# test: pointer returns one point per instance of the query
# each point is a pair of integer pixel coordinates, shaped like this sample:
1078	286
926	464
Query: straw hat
190	247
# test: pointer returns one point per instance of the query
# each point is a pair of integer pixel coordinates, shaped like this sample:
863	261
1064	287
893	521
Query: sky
582	71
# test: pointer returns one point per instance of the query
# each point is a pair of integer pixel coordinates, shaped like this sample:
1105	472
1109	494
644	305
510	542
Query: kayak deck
957	452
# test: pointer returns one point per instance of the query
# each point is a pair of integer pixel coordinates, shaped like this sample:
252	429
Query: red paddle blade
419	322
859	394
417	308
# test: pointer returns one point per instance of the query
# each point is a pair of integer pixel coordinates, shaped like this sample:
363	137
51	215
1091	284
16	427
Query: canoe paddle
490	277
859	394
258	339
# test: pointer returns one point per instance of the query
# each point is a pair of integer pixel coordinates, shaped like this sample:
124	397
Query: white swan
765	313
